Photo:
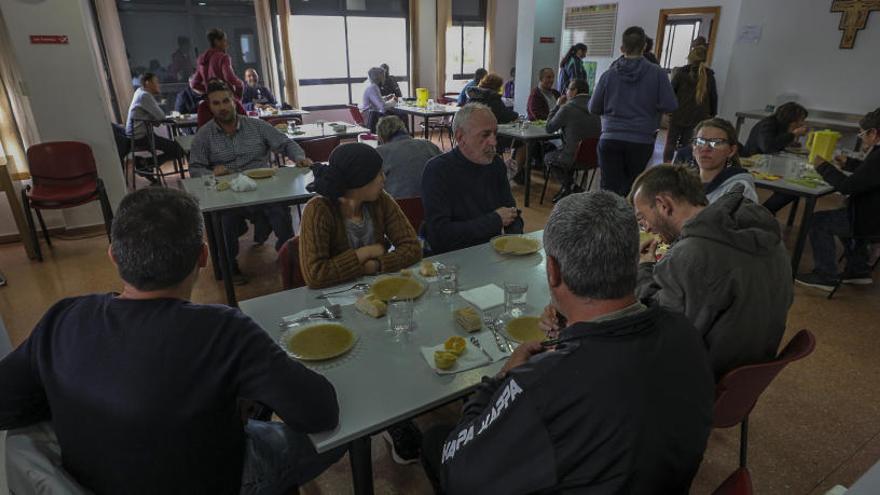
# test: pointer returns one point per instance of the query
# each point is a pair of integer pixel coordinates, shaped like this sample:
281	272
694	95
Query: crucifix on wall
854	19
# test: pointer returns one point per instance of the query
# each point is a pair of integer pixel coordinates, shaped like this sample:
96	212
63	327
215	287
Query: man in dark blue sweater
631	96
142	387
465	192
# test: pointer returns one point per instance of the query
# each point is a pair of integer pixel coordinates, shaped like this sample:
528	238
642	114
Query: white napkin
301	314
485	297
470	359
243	183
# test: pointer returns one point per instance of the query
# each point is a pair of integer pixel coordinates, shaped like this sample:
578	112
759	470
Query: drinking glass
320	124
448	279
515	298
400	317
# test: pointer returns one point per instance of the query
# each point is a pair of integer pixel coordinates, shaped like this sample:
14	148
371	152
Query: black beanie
351	166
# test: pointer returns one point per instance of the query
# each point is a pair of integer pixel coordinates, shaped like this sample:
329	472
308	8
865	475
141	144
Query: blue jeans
825	227
277	459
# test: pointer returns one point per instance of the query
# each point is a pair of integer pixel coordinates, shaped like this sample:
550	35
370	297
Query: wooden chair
63	176
288	262
414	211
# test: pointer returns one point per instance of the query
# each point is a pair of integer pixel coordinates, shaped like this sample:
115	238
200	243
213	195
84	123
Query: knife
498	340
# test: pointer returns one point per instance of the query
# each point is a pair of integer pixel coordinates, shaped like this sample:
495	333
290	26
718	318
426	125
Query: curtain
444	23
291	88
267	47
415	79
110	30
491	5
18	129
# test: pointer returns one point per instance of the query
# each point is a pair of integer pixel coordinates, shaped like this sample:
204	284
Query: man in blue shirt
143	387
479	74
631	96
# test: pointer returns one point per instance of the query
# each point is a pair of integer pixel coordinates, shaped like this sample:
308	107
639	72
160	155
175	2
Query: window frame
459	22
349	81
669	40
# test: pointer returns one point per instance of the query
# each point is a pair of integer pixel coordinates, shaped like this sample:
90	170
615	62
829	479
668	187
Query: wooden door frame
664	16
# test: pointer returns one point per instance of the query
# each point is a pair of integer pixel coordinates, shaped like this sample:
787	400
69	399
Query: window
465	43
677	39
351	42
166	36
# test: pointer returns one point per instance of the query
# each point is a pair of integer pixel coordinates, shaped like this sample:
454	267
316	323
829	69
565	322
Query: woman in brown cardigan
347	230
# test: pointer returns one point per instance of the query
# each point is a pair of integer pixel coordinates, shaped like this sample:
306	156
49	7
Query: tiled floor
816	426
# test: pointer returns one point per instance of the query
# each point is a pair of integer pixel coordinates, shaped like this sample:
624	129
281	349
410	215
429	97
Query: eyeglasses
712	143
863	133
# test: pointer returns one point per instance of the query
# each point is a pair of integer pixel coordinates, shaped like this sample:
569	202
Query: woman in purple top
373	105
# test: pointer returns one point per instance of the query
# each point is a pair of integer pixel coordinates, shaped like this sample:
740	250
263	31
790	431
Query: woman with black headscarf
348	228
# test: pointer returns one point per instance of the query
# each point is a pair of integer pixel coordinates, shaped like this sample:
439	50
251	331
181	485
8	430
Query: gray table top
788	166
845	122
380	382
190	119
313	131
437	111
288	184
533	132
868	484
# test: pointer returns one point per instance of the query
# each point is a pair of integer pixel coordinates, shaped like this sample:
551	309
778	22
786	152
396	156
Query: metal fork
332	312
358	286
476	342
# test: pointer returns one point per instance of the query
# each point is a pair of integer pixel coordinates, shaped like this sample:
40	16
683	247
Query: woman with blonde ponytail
694	85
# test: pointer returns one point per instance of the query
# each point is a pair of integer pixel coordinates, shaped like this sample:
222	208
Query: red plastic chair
738	390
586	160
356	115
63	175
738	483
414	211
319	149
288	261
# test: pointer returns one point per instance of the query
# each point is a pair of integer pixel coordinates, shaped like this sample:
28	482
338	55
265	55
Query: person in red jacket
216	63
543	97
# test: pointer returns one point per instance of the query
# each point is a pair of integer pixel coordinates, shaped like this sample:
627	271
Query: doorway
676	30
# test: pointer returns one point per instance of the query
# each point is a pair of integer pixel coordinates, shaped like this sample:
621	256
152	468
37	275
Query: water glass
515	298
448	279
400	317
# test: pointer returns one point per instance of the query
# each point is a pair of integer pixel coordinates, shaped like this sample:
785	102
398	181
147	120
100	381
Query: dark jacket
390	87
187	101
730	274
460	199
863	188
690	113
253	95
621	406
631	96
576	123
574	69
768	136
537	107
492	100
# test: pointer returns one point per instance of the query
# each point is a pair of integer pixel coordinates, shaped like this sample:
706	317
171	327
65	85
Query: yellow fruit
444	360
455	345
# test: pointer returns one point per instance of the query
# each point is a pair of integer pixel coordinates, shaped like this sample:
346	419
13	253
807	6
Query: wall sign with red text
548	39
49	39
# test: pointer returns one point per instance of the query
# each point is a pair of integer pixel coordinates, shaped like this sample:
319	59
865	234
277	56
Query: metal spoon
332	312
476	343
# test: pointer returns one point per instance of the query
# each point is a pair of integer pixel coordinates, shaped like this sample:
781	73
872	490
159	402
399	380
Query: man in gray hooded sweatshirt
631	96
727	270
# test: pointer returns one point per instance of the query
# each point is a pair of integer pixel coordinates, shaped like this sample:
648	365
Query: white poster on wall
750	34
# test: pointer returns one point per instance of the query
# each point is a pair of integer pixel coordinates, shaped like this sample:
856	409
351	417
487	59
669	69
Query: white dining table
381	381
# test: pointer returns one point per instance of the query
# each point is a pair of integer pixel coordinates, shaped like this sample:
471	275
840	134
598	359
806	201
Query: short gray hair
594	237
388	126
463	116
375	74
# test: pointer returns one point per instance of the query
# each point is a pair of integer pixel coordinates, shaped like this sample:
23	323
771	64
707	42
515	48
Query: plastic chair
288	262
319	149
738	483
356	115
151	148
414	211
738	390
369	138
586	160
64	175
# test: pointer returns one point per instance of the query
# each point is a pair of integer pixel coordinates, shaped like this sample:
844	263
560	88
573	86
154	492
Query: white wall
427	46
646	13
504	43
798	53
66	96
536	19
